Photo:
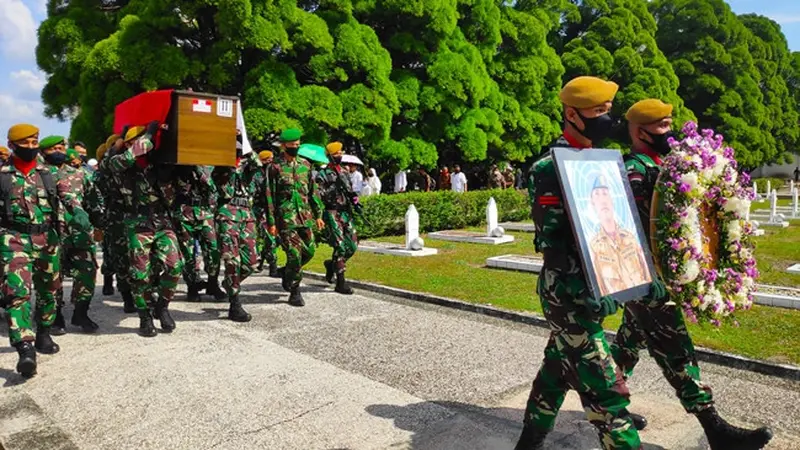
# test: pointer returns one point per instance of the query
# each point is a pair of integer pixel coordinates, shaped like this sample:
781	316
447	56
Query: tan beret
4	150
22	131
334	148
648	111
111	140
586	92
265	154
133	133
101	151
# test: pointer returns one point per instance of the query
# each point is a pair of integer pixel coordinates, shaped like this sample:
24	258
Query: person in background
458	181
444	179
92	165
424	181
4	155
496	180
356	178
519	179
372	186
508	175
400	181
80	147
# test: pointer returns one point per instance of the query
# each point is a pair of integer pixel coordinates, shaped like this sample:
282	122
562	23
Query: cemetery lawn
459	271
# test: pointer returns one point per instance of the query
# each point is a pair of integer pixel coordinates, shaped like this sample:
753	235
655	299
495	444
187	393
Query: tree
708	46
615	40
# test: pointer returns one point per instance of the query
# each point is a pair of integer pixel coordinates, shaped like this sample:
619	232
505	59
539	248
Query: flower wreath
699	190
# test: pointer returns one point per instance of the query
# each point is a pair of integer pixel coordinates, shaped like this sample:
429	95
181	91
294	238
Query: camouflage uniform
268	253
195	203
148	193
116	259
577	355
236	224
29	249
337	196
293	207
657	324
496	180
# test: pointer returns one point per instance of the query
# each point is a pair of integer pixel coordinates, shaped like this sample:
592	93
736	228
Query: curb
731	360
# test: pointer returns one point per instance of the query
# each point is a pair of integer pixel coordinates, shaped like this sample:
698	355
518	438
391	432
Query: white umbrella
351	159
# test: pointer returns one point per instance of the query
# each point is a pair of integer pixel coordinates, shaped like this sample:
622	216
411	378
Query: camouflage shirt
335	189
237	183
291	195
108	186
643	173
28	200
79	192
195	186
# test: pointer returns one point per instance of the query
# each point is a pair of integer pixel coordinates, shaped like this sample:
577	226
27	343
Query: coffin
201	127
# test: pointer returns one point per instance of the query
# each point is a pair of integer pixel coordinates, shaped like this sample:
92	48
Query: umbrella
314	153
352	159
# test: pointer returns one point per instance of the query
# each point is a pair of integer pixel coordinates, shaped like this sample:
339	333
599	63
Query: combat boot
161	312
27	359
342	286
639	422
260	267
286	282
80	318
108	284
213	289
127	301
273	270
193	291
44	343
296	298
59	324
724	436
236	313
146	327
329	272
531	439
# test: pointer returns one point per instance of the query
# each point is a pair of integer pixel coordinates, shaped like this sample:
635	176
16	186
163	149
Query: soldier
195	205
293	209
269	247
32	217
339	200
148	193
78	255
236	227
496	180
654	322
4	155
115	233
577	355
616	254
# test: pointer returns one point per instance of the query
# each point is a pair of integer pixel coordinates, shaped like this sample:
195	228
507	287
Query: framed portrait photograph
614	250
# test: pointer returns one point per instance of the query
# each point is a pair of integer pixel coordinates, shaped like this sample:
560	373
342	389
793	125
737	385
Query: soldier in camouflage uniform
116	257
4	155
577	355
655	323
32	218
236	226
78	255
293	209
195	206
339	201
268	253
148	191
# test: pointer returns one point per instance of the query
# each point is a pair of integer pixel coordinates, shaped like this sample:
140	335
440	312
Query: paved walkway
357	372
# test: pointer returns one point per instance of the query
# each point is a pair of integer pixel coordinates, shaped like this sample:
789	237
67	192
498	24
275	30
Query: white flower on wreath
691	270
737	206
720	166
734	231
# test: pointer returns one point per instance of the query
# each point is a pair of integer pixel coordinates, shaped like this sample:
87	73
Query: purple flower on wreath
745	177
685	188
689	128
711	276
728	152
708	133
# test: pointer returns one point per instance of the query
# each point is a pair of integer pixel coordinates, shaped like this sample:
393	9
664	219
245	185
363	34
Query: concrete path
357	372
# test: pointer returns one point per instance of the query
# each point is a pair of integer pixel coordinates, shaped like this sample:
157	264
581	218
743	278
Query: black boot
286	281
296	298
146	327
639	422
329	272
59	324
213	289
108	284
27	359
80	318
273	270
44	343
193	291
127	301
724	436
260	267
341	285
161	312
236	313
531	439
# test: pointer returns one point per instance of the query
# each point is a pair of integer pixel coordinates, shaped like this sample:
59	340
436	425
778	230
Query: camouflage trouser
106	268
150	252
577	357
661	329
237	232
118	255
81	265
342	237
298	244
198	223
267	243
25	260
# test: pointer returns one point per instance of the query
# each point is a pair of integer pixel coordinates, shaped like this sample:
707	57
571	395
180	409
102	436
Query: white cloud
15	109
785	19
27	83
17	30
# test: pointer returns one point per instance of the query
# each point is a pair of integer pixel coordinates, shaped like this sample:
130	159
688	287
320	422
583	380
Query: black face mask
336	160
292	151
660	143
597	128
56	158
239	153
26	154
83	159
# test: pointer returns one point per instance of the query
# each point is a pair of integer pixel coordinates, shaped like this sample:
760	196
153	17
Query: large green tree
615	40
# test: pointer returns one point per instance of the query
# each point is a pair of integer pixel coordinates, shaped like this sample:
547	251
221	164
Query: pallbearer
269	250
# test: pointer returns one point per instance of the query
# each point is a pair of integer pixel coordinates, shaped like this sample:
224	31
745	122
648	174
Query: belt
26	228
239	201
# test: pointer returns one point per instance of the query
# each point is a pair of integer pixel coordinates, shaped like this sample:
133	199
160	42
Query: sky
21	82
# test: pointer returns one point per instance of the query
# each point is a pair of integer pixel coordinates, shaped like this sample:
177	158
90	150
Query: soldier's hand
603	307
152	128
80	220
320	224
273	230
658	291
98	235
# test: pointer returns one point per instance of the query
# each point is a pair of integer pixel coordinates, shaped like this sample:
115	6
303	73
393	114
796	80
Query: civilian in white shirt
458	181
400	182
356	179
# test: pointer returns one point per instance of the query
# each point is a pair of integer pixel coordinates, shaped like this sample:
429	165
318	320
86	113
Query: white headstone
769	188
791	185
413	241
491	217
795	205
773	207
755	190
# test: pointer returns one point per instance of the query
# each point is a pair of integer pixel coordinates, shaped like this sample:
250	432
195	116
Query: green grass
459	271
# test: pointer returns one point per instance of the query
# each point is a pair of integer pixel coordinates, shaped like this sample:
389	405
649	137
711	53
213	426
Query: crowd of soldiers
151	220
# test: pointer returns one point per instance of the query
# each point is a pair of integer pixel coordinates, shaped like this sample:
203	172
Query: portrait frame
578	168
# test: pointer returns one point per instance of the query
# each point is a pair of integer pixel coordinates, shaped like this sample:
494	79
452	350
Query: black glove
602	307
152	128
124	131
